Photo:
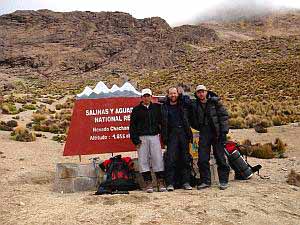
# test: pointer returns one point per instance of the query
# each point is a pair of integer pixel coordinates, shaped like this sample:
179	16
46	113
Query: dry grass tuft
294	178
22	134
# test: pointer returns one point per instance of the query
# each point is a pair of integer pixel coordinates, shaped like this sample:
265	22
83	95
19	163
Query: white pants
150	154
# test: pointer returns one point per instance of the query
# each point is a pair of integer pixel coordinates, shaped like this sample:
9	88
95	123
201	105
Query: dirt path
26	197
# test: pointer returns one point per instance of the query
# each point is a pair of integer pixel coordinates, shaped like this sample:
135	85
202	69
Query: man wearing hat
210	118
145	122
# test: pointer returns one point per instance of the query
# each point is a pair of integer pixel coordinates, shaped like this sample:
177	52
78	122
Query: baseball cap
146	91
201	87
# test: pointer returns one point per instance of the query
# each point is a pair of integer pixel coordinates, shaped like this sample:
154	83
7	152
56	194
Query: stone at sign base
77	184
72	177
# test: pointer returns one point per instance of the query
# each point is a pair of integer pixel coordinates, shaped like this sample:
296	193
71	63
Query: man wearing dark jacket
210	118
176	135
145	123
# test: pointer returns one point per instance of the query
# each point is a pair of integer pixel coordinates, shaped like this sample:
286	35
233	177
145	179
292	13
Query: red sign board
100	126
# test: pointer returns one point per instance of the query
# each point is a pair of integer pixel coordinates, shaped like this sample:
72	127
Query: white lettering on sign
100	129
96	112
119	128
96	138
123	110
126	118
108	119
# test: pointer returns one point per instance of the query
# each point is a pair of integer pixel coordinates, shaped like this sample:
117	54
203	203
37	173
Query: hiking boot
149	187
203	186
170	187
187	186
161	185
223	186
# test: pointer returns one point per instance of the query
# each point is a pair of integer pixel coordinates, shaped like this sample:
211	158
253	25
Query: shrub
45	128
277	121
263	151
64	115
279	148
29	107
54	129
293	178
233	114
59	138
35	127
9	108
5	127
38	117
246	148
260	129
251	120
236	123
12	123
58	107
265	123
23	134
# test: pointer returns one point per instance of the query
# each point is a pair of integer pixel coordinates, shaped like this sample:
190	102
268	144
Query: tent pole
79	158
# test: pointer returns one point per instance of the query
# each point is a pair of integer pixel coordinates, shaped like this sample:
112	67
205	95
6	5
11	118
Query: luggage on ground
242	169
119	176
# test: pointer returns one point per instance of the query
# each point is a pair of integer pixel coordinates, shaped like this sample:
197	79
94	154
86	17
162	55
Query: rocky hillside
252	63
255	58
50	44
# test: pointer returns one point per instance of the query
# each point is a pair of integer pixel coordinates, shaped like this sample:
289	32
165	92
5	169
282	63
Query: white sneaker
187	186
170	187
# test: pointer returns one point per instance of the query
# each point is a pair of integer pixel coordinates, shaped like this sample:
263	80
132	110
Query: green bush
59	138
8	108
29	107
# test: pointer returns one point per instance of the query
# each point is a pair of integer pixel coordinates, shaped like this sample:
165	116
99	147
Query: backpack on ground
243	170
119	176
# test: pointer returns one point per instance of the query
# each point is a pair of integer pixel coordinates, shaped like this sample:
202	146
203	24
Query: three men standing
173	120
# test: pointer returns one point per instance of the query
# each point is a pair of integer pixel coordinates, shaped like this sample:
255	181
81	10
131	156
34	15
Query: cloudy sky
174	12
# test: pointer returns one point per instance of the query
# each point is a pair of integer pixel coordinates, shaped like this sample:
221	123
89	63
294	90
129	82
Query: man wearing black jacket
145	123
176	135
210	118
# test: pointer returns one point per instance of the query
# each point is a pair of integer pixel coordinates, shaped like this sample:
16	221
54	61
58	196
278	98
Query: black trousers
177	158
208	140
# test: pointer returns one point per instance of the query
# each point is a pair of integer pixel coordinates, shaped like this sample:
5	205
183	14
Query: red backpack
119	175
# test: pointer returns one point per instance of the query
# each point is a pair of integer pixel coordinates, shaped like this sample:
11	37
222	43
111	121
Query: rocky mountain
52	43
253	58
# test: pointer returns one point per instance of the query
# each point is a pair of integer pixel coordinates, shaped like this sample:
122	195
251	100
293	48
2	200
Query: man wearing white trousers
145	124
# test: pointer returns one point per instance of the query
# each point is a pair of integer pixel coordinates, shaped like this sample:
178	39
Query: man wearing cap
176	135
210	118
145	122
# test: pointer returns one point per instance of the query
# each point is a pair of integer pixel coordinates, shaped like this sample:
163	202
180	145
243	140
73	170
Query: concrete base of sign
71	177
